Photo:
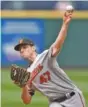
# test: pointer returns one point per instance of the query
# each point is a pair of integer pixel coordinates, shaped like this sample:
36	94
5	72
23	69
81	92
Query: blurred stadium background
41	22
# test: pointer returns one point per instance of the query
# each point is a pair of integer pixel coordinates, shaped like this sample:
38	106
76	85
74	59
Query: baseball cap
23	42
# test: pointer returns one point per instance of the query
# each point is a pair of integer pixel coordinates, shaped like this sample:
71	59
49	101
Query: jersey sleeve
50	53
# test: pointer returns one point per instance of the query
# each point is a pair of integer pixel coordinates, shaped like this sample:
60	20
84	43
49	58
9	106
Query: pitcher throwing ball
44	73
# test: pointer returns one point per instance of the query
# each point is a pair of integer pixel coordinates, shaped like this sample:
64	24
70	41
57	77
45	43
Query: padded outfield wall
75	49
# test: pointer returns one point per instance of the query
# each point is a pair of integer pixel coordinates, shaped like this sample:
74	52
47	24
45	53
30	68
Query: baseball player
45	74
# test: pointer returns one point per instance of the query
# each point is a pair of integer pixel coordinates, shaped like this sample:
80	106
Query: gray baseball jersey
48	77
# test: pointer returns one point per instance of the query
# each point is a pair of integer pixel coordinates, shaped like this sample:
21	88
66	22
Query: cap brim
17	47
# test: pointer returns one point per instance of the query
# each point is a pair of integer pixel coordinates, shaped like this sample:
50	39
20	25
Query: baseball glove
19	75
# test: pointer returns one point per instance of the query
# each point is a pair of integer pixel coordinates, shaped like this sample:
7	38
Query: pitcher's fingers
66	15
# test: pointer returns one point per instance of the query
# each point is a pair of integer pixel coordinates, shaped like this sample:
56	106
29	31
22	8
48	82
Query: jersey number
45	77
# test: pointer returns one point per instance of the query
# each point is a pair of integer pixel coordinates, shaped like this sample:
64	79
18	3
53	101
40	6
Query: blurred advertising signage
15	29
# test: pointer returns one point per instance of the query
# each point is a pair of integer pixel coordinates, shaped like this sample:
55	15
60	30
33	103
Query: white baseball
69	8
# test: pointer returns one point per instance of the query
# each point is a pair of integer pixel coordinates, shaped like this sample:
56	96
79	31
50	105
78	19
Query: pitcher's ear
34	48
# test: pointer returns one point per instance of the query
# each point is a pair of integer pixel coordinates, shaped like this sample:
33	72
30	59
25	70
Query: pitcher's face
26	51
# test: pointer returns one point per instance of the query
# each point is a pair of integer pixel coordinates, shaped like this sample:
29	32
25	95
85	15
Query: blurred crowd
42	5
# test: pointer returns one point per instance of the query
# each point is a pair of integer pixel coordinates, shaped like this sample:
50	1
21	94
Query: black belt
65	97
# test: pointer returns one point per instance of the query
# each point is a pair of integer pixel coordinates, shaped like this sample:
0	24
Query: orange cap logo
21	41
